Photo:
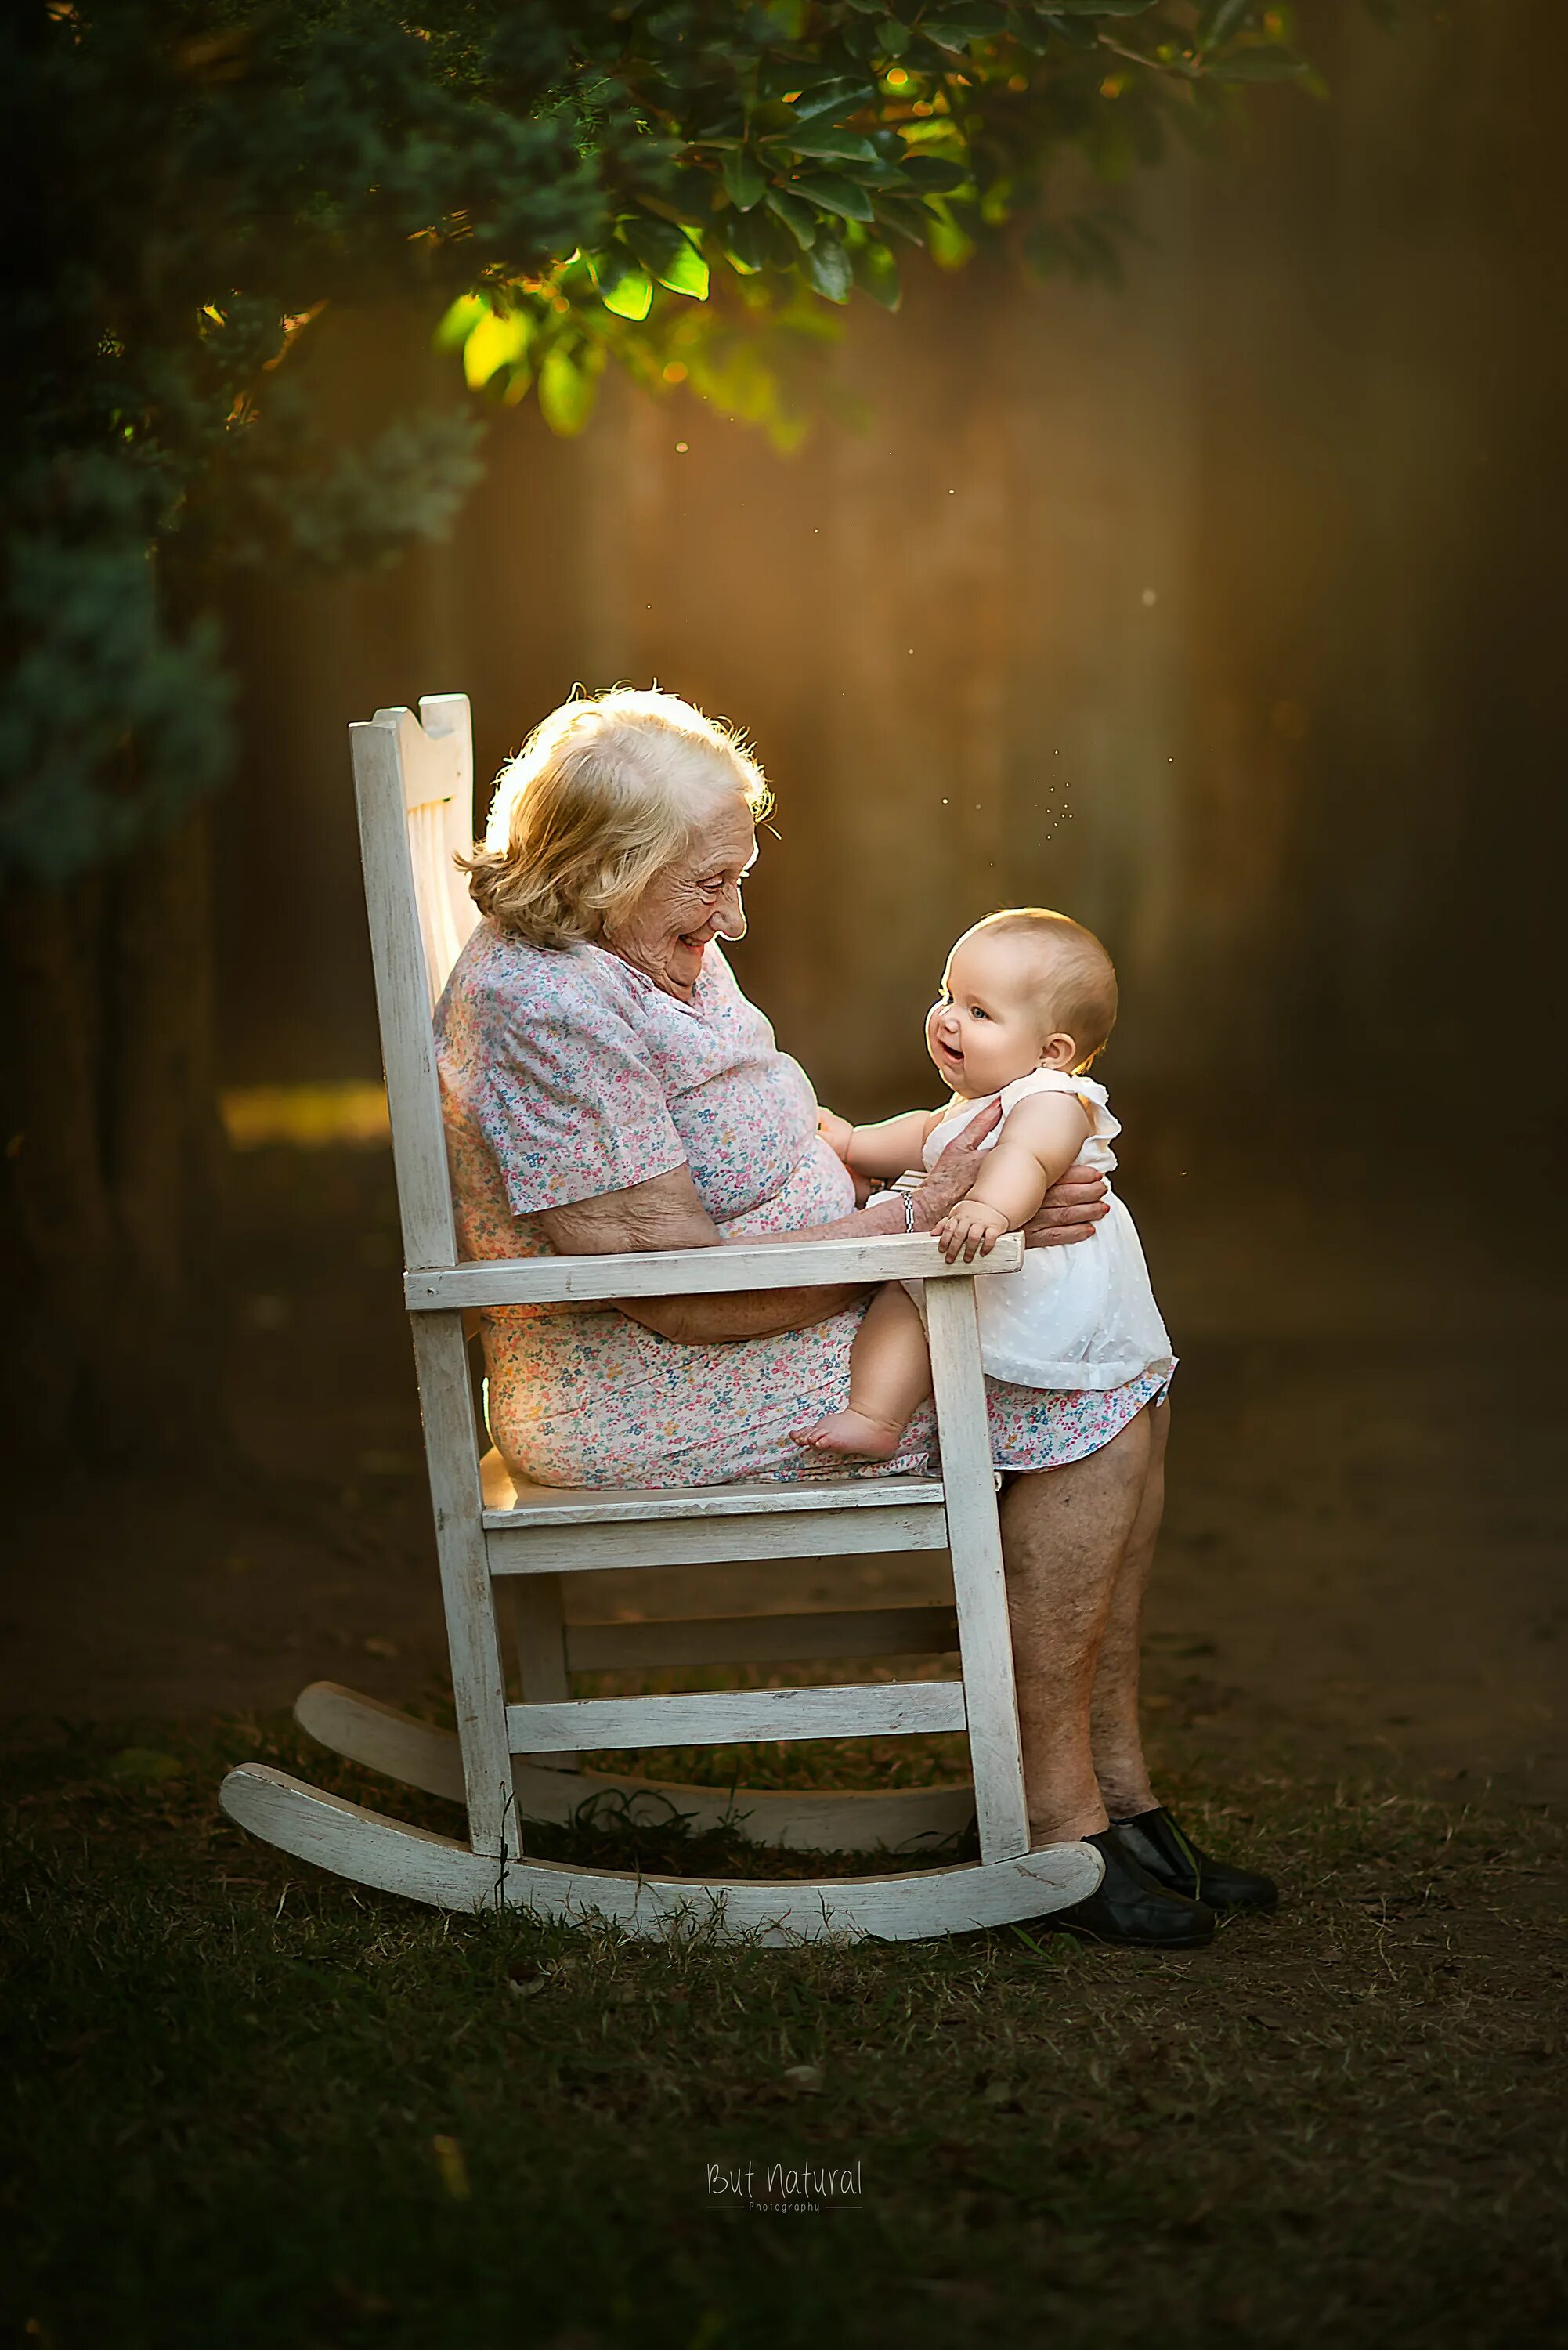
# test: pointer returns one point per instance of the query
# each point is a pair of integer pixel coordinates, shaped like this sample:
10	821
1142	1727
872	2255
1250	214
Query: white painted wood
370	1849
693	1542
979	1586
738	1717
437	762
761	1639
402	991
535	1506
800	1819
690	1272
478	1682
541	1635
414	788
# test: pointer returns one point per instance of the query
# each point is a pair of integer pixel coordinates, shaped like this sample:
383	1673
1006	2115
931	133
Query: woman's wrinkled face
694	900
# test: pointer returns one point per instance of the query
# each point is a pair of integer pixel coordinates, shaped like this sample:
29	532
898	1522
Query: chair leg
980	1585
541	1633
478	1680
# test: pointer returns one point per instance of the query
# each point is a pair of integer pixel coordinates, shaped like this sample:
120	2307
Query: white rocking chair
510	1764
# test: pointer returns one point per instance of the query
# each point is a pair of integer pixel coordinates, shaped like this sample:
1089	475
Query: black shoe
1168	1854
1131	1907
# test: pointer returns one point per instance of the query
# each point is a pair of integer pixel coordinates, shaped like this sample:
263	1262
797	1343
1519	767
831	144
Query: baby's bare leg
889	1373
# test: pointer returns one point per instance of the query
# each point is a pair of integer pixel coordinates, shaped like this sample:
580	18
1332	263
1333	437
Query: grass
250	2104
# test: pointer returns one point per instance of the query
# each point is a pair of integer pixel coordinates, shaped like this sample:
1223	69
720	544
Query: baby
1028	999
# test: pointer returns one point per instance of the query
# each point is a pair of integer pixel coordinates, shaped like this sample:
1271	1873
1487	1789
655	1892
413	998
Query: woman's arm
667	1213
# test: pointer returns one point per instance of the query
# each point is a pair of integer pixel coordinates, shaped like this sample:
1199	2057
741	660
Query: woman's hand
1069	1212
955	1171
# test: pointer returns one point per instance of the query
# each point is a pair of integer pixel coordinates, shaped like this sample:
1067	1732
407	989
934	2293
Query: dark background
1222	610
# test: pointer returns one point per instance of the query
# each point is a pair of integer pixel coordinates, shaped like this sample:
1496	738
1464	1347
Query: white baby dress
1074	1317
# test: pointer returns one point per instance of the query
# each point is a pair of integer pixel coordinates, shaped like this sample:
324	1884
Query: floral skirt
592	1398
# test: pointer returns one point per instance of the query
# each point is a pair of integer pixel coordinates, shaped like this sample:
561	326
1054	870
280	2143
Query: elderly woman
607	1086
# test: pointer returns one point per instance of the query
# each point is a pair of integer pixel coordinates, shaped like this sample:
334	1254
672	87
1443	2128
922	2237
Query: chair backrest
414	786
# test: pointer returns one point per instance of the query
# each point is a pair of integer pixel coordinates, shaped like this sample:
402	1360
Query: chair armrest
691	1273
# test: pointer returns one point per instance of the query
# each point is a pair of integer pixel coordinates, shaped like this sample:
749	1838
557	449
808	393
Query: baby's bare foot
854	1434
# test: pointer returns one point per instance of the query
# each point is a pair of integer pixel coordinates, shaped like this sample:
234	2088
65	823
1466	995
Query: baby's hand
836	1132
969	1231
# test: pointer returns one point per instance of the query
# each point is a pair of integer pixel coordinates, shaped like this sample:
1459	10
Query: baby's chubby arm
1041	1138
886	1151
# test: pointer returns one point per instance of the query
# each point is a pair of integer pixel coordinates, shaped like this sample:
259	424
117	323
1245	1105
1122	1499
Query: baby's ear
1059	1053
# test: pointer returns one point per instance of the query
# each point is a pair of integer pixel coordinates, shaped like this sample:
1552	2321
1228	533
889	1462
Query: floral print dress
566	1074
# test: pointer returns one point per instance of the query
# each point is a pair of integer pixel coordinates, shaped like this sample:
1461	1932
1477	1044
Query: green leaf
624	287
669	254
748	243
569	384
950	245
894	36
844	95
797	217
459	322
845	146
965	24
1100	7
495	343
827	268
904	217
745	181
931	175
876	274
829	193
1257	65
1219	19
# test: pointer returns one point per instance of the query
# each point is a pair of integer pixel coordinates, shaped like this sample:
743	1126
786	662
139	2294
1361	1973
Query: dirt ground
1362	1561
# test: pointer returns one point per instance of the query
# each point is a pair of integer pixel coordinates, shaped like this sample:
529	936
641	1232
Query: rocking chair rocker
512	1763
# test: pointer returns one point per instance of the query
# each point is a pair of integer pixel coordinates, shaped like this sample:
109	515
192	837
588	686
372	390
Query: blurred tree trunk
114	1160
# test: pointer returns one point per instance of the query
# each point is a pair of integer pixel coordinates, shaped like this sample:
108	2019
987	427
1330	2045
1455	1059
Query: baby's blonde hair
602	796
1077	979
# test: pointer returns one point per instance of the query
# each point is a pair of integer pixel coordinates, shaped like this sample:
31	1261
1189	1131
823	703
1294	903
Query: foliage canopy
691	189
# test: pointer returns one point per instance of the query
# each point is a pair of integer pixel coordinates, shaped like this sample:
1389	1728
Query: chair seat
511	1507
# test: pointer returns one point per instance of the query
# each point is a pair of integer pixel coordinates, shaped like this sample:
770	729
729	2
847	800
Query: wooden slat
687	1273
980	1587
447	722
738	1717
811	1819
541	1633
692	1541
402	996
761	1640
611	1505
468	1596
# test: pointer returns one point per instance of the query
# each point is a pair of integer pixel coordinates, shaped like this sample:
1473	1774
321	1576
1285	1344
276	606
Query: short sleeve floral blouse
566	1074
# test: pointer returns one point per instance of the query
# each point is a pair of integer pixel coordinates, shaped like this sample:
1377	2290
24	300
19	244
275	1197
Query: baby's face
985	1028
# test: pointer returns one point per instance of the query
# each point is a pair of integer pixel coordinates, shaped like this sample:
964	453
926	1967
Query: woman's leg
1117	1746
1065	1535
889	1374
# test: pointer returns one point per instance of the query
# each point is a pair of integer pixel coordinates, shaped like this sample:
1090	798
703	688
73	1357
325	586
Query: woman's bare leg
1117	1747
889	1374
1065	1534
